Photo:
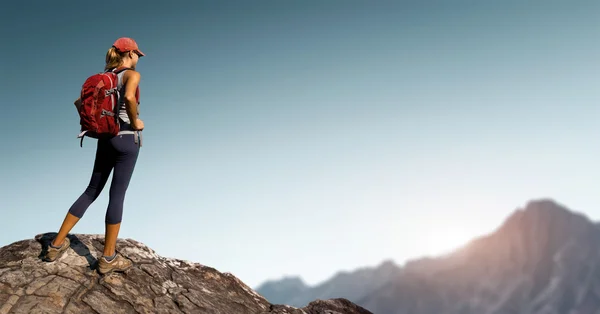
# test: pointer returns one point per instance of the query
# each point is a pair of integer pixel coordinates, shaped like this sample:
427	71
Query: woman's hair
113	58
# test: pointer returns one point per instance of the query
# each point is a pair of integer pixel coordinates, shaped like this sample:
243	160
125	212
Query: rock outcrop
154	285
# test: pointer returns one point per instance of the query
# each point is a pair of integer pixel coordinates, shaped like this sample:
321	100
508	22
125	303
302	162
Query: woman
119	153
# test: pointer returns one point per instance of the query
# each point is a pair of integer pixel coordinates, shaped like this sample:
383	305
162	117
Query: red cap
124	44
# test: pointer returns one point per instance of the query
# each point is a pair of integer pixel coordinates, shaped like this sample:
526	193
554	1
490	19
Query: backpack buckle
110	92
107	113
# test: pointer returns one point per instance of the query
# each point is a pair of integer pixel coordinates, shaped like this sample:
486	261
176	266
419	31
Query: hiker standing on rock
118	130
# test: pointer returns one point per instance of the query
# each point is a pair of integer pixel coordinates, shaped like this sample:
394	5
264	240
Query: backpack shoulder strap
119	70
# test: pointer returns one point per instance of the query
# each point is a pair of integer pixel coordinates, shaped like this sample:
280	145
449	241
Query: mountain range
543	259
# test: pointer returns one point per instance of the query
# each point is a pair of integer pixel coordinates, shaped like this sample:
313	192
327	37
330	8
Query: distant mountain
544	259
355	285
284	288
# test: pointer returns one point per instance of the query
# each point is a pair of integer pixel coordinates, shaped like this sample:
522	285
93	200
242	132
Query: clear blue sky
307	137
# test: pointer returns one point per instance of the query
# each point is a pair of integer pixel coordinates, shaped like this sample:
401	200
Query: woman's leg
103	165
126	157
65	228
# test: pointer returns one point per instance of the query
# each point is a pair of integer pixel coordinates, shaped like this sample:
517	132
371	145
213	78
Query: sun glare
446	240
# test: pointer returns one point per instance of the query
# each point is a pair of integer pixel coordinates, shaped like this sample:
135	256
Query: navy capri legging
119	153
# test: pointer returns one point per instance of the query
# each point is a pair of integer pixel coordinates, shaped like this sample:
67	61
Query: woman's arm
132	79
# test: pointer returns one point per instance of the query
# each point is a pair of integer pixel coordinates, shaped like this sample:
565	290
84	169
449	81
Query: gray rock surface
154	285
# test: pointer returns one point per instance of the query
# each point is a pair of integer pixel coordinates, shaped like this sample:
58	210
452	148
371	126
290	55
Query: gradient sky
308	137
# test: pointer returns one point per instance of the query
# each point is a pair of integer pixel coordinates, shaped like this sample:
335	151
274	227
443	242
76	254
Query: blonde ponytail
113	58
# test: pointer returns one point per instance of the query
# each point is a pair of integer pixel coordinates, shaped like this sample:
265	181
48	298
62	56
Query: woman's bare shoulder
131	74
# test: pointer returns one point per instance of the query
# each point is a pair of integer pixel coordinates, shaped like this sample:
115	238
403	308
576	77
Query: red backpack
99	110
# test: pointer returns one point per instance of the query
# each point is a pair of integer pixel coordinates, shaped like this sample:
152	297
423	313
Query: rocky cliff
154	285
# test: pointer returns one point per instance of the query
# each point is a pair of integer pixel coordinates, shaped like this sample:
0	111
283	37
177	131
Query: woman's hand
137	124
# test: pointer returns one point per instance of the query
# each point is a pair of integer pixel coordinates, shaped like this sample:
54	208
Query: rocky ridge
154	285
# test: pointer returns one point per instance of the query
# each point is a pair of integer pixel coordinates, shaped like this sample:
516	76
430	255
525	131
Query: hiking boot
54	253
118	264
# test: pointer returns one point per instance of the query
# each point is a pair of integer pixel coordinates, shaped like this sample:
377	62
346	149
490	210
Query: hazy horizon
307	138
